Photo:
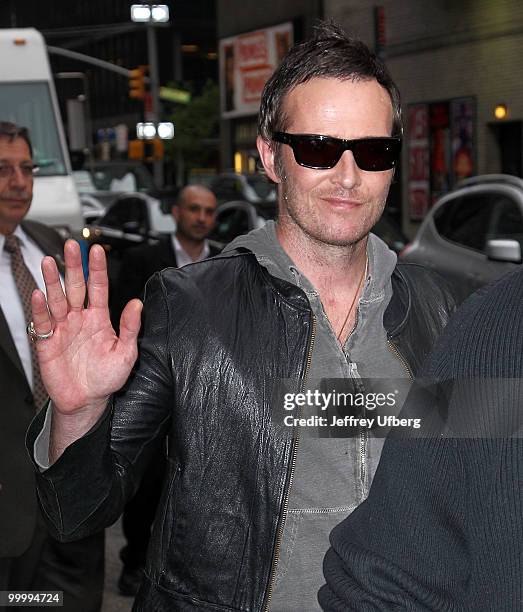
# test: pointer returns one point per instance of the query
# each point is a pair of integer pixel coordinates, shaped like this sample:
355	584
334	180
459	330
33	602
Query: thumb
130	322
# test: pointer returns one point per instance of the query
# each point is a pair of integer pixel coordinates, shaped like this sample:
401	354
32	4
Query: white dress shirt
182	257
10	301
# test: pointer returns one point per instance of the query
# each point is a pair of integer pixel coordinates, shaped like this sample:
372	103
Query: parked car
234	219
92	209
256	189
104	181
473	234
131	220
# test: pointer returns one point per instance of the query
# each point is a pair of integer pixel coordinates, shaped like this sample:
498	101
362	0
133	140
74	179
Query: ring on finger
31	331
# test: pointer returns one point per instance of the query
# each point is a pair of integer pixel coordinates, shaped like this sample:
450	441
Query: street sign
175	95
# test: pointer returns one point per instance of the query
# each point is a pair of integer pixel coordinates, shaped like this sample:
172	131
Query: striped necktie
26	284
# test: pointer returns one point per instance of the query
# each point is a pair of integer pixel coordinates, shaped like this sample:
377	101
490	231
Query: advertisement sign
442	144
462	111
440	173
246	62
418	147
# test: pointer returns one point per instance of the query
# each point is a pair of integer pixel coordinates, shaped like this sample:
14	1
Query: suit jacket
138	265
17	488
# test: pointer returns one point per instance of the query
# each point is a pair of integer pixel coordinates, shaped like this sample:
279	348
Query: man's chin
337	236
13	212
198	236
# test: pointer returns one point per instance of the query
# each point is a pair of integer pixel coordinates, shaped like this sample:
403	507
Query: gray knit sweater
442	528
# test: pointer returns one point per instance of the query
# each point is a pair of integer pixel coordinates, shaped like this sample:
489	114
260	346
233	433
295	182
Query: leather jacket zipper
402	359
294	454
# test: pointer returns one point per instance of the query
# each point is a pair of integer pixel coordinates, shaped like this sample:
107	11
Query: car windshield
29	105
261	185
121	177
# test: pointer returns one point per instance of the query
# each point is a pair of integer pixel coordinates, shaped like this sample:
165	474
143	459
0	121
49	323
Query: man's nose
17	178
346	172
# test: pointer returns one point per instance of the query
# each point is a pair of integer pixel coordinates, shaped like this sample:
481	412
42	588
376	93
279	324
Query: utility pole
155	96
152	15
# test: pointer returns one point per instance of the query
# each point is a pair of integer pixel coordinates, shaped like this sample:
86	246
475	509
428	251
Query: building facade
252	37
454	63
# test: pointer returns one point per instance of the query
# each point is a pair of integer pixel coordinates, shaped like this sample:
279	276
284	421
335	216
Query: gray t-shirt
328	481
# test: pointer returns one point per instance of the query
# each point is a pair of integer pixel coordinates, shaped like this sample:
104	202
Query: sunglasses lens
323	152
315	152
375	155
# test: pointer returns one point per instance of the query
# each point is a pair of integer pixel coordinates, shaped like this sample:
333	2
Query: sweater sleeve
441	529
403	548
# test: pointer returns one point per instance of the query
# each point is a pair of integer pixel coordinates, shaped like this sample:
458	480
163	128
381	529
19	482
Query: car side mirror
504	249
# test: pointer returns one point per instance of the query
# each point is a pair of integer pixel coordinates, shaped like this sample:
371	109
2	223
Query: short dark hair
11	131
329	54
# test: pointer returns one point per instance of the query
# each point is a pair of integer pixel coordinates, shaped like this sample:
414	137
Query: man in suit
195	214
29	558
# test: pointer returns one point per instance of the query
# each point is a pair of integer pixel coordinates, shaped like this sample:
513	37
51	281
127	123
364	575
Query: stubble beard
294	212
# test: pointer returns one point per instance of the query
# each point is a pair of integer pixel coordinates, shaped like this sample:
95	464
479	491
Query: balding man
195	214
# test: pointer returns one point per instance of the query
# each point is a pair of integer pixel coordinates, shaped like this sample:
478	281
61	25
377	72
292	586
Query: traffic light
135	149
137	83
146	150
153	150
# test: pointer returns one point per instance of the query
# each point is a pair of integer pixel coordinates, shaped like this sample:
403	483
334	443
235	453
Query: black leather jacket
216	335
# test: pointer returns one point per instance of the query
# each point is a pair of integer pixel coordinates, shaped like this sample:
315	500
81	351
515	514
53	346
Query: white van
28	98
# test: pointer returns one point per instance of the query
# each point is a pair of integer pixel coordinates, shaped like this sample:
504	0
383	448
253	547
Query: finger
74	276
97	283
55	294
130	322
41	319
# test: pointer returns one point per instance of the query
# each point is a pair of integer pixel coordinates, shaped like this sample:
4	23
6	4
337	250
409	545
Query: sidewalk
112	601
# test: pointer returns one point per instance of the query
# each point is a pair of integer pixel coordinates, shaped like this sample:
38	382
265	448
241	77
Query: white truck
28	98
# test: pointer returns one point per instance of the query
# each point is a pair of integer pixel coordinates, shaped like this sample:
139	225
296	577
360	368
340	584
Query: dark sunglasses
323	152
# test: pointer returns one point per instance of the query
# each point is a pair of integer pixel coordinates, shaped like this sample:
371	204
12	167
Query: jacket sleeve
86	489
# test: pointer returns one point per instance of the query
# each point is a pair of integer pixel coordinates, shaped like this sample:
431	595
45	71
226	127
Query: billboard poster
440	166
246	62
462	114
418	171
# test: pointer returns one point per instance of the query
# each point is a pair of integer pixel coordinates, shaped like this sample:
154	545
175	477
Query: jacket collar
398	310
46	241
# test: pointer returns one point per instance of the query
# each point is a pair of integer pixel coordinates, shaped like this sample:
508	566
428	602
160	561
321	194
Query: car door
464	224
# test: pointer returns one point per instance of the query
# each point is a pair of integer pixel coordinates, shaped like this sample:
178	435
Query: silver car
473	234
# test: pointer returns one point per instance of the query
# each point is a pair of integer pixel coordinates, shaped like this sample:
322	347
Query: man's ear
267	158
175	211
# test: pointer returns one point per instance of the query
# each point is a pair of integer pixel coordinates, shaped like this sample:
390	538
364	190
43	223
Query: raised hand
84	361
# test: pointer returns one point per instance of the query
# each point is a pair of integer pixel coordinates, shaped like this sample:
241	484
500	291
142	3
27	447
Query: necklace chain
354	298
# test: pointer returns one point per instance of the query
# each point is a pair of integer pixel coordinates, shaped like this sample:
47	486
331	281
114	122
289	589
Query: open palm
84	361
